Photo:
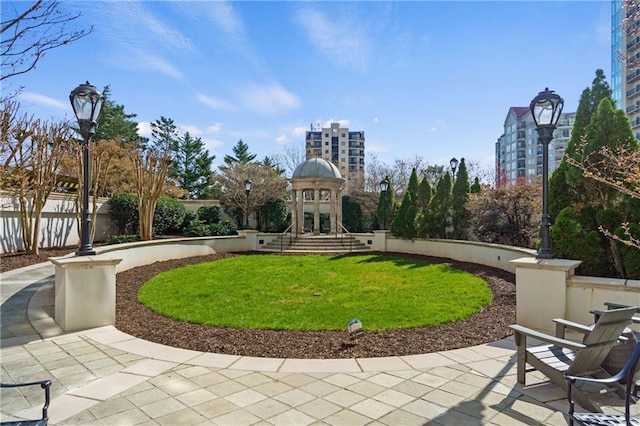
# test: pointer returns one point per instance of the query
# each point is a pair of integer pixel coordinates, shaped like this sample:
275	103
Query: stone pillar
316	211
541	291
339	202
332	214
380	240
85	292
294	212
251	238
301	211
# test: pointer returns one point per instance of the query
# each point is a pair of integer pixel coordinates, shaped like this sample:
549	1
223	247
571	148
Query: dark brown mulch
11	261
490	324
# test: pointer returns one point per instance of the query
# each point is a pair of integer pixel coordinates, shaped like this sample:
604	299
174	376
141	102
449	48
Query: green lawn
315	292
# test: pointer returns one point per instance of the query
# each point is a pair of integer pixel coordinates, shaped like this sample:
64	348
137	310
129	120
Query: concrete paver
105	377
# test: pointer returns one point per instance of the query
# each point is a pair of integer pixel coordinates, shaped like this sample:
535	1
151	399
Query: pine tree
459	197
424	197
191	166
385	209
403	224
475	188
439	209
565	185
242	154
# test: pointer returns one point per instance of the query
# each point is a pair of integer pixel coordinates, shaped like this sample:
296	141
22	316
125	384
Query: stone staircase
316	244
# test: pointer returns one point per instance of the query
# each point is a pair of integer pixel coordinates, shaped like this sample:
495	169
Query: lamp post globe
384	186
247	189
454	166
86	102
545	108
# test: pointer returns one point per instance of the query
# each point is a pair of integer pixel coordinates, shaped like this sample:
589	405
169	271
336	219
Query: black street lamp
384	185
86	102
247	188
545	109
454	165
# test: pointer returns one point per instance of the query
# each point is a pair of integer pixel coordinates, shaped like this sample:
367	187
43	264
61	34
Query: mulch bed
490	324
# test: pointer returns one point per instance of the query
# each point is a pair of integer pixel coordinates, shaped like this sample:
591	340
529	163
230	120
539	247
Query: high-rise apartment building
518	152
625	60
341	147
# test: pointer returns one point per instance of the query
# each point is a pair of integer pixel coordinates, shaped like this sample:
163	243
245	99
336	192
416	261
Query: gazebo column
339	215
301	211
332	209
316	211
294	211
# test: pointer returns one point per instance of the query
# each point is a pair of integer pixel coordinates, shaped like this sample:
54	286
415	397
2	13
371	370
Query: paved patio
105	377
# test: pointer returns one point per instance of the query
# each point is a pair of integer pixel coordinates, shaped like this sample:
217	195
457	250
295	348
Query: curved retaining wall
146	252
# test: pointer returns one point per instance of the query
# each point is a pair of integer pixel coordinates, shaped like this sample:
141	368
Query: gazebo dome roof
316	168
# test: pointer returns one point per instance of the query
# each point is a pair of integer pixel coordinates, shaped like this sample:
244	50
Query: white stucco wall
58	226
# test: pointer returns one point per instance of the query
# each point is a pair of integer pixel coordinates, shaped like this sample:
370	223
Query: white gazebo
318	175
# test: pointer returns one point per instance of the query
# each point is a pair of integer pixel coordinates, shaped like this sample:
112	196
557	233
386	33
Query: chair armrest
562	324
563	343
604	381
44	384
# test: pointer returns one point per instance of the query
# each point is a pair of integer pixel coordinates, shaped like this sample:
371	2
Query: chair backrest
606	330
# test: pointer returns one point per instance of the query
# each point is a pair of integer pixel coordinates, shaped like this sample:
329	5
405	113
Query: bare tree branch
29	34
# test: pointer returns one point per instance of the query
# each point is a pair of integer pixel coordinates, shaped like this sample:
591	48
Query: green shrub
123	211
209	214
188	217
120	239
221	229
197	228
168	216
352	217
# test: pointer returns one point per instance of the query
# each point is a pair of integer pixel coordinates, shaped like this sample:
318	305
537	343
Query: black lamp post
247	188
384	185
454	165
545	109
86	102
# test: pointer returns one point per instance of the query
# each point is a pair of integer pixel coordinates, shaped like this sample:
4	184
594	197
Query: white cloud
375	120
299	131
282	140
193	130
268	100
133	25
214	128
341	39
137	59
327	123
215	103
144	129
44	100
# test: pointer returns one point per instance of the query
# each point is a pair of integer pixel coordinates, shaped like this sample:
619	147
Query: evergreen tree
459	197
422	205
475	188
439	209
413	187
114	123
403	224
241	154
191	166
385	209
565	185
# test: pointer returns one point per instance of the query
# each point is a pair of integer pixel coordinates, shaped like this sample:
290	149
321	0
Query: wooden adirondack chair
626	376
560	356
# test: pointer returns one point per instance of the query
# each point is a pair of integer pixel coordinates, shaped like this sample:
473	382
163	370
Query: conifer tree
422	205
565	185
459	197
439	209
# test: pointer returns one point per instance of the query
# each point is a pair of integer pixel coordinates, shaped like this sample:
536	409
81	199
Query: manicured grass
316	292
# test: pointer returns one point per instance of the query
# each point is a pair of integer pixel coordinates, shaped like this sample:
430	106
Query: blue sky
425	78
